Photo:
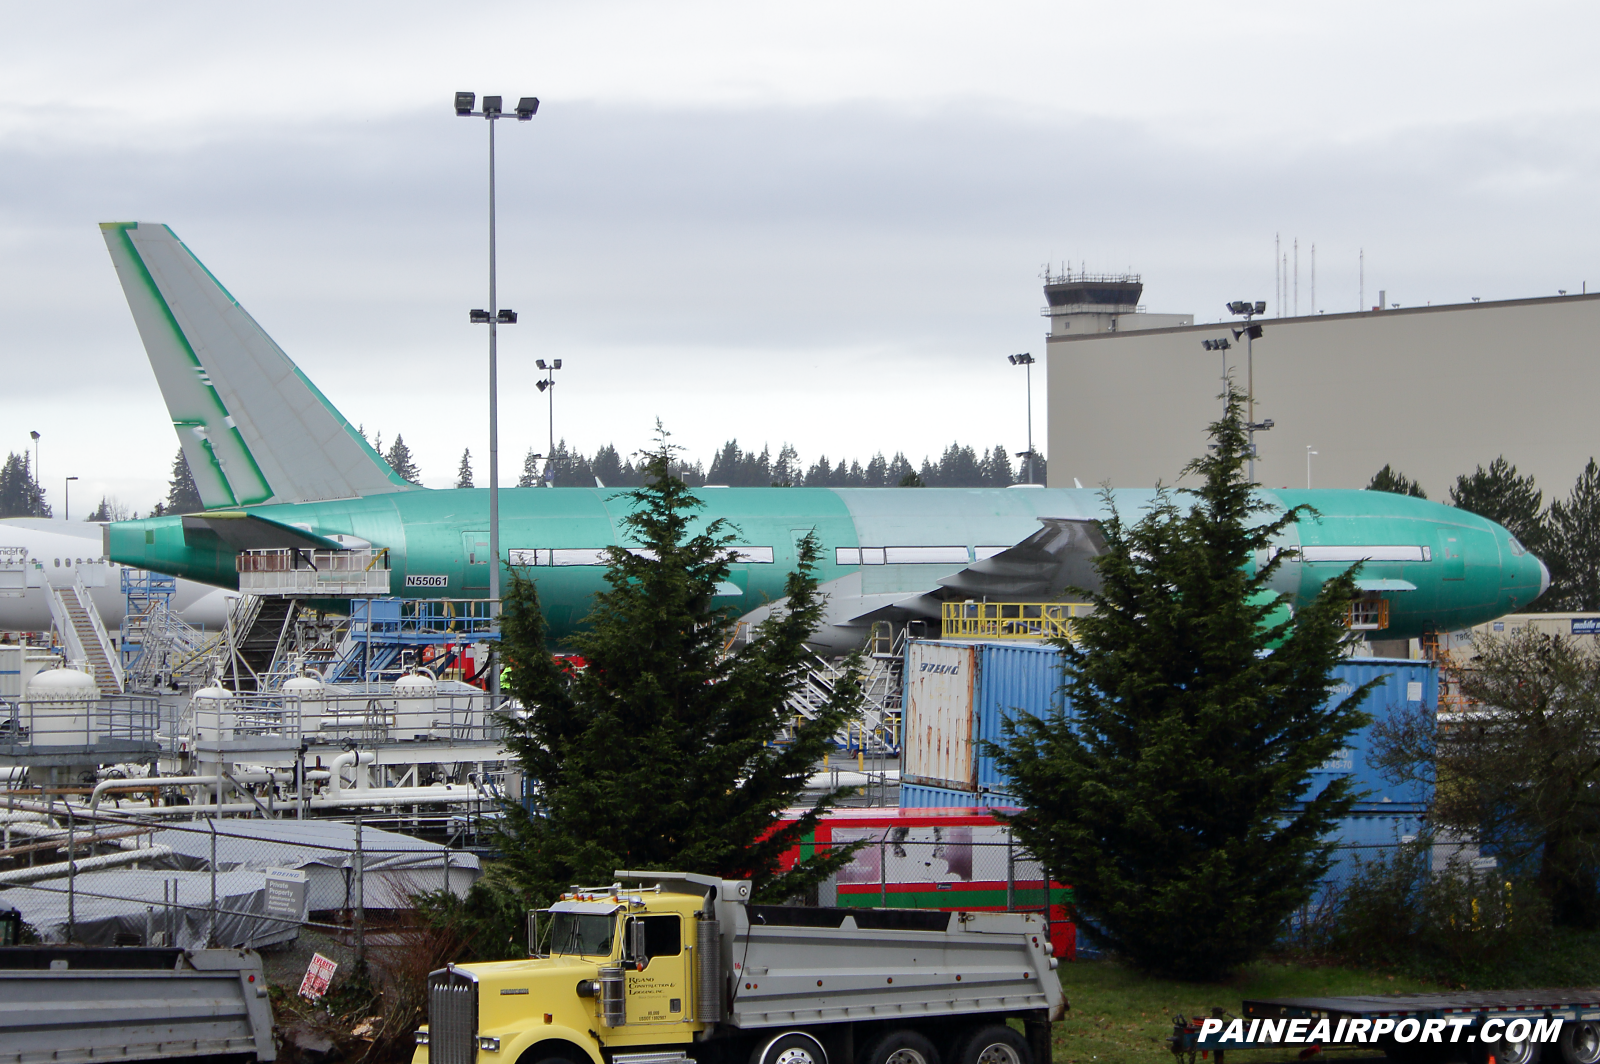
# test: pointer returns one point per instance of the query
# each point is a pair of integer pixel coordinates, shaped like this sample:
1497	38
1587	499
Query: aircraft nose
1544	576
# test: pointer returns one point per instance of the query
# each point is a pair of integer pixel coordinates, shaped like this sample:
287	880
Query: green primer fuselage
1475	571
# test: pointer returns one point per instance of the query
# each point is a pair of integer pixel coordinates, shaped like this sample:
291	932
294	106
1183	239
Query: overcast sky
821	223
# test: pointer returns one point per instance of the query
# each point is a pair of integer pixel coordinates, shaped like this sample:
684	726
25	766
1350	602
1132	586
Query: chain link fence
106	878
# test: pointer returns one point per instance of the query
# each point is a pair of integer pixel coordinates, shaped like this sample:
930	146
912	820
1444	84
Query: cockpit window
586	934
1516	546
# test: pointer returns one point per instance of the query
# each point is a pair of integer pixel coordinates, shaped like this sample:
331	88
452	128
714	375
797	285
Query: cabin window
58	563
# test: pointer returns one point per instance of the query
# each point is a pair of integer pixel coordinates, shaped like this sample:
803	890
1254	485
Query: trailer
1482	1027
76	1004
684	968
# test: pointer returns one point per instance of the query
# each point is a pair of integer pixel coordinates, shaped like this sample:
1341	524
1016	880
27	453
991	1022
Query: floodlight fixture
464	102
527	107
1026	360
540	364
557	364
1261	306
544	383
34	435
506	317
491	105
478	316
1216	345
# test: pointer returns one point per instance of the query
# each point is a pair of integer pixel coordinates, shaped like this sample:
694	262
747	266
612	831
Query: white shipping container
939	689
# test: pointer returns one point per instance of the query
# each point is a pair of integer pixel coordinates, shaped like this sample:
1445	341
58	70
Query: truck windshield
582	933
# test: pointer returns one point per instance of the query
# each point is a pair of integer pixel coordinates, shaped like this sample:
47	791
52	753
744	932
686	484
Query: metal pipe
86	864
349	757
169	781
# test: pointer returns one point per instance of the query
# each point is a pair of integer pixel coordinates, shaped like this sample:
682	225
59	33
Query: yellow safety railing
1010	620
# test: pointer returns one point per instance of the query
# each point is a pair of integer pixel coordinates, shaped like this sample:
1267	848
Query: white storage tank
58	708
213	713
416	700
310	694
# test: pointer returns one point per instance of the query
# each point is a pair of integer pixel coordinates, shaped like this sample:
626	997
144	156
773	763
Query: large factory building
1436	390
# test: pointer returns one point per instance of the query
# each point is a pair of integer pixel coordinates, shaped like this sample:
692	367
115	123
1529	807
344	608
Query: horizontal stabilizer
247	531
253	428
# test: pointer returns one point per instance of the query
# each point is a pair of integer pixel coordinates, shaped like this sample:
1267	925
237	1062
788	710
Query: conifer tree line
958	467
1565	535
20	494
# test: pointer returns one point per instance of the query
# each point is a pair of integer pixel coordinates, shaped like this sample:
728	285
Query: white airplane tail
253	428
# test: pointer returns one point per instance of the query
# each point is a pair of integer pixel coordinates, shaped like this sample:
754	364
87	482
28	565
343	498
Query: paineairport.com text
1324	1031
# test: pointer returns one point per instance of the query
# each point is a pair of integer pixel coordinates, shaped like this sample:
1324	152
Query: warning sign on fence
318	976
286	893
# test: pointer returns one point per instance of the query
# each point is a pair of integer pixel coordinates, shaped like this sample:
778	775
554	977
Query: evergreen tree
877	472
786	470
20	494
1510	501
1572	546
662	752
530	471
959	468
1175	798
820	475
1396	483
182	495
101	512
899	472
997	468
464	474
607	466
399	459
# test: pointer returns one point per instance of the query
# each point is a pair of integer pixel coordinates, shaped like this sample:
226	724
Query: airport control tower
1082	303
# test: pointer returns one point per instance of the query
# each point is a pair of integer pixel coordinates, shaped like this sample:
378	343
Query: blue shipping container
1025	678
921	796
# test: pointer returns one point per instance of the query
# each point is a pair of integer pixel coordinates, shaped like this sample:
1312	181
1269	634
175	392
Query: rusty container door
939	682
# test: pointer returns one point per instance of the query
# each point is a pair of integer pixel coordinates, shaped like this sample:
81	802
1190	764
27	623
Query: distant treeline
958	467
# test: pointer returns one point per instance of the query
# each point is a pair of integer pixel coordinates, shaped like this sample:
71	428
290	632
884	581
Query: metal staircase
78	623
878	725
260	629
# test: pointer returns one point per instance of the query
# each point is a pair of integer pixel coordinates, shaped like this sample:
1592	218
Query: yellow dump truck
682	968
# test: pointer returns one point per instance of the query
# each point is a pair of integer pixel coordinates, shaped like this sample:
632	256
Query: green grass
1117	1015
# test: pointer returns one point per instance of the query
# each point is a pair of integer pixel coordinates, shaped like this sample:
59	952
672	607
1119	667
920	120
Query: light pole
66	502
1026	360
1251	333
494	317
35	436
548	387
1309	453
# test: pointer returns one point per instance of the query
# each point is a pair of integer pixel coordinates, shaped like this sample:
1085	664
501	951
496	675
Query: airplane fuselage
1464	569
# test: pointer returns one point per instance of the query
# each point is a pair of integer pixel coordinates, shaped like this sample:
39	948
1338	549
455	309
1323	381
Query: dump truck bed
70	1004
817	965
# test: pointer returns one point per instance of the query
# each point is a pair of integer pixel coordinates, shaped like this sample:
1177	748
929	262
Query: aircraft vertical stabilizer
253	428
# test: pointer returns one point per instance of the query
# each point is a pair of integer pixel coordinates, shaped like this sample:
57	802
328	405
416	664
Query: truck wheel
1580	1042
1504	1052
993	1045
791	1047
902	1047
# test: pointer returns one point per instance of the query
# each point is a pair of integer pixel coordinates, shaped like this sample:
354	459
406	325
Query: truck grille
452	1018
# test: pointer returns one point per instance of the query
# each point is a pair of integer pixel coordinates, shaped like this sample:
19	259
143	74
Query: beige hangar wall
1437	391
